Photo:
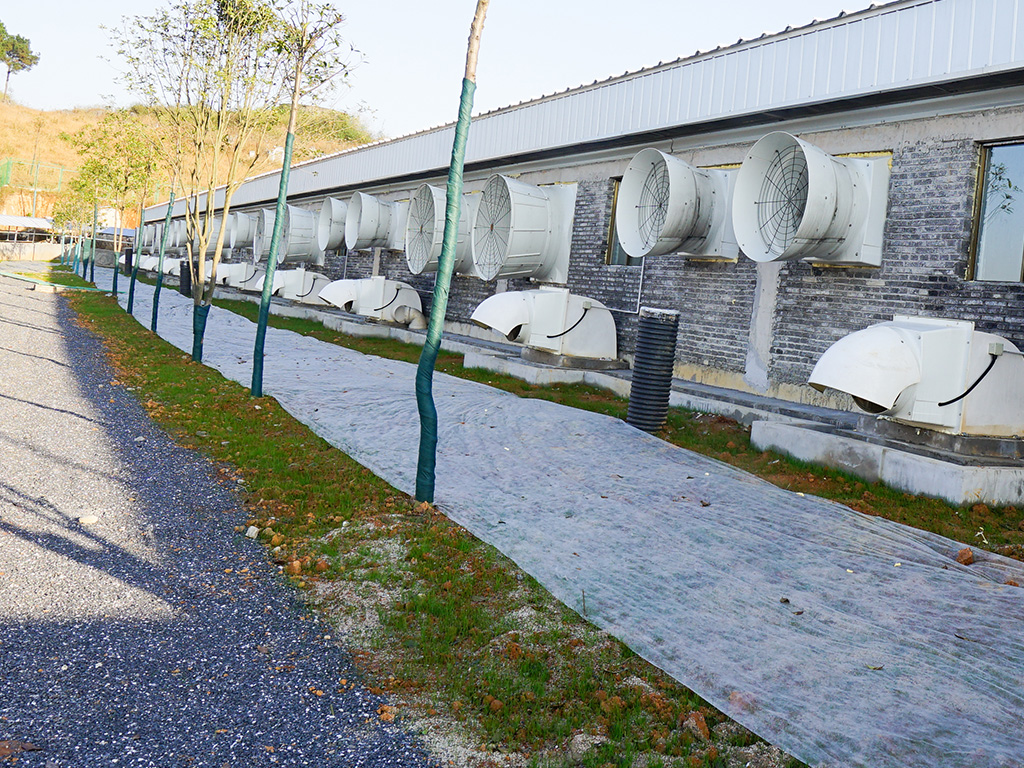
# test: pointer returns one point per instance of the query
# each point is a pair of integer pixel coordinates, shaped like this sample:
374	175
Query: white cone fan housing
508	313
876	366
795	201
552	320
264	231
341	293
513	231
331	224
665	205
243	231
375	297
298	237
917	369
367	222
424	230
211	245
245	276
307	290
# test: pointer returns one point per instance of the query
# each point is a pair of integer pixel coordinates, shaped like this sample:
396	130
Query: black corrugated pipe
652	369
185	279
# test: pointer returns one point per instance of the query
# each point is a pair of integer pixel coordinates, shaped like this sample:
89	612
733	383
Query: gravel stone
129	643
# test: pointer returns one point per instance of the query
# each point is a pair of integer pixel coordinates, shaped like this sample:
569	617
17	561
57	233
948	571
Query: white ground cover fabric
846	640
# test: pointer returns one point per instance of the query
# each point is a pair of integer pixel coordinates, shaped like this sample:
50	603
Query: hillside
36	163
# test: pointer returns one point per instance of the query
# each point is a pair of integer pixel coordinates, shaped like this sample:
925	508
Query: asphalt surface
156	636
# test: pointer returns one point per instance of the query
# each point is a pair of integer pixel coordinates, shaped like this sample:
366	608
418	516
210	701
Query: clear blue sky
414	50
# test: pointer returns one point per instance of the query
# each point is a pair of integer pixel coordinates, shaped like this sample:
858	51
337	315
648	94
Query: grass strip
446	625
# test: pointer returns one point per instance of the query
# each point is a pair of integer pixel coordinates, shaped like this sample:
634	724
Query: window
999	244
615	253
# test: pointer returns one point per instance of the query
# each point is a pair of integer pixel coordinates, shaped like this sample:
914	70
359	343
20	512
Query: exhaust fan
424	230
245	276
520	230
367	222
665	205
551	320
211	246
940	374
795	201
331	226
298	237
302	286
378	298
244	230
264	231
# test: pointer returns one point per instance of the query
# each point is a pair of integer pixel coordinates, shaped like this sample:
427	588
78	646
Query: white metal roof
25	222
890	48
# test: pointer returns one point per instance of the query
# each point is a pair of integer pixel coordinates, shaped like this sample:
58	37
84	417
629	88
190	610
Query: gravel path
155	636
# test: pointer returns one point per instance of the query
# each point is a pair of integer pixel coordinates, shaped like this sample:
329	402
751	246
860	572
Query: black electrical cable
976	383
397	291
585	310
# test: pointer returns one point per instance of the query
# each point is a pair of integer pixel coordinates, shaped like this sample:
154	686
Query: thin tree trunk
425	474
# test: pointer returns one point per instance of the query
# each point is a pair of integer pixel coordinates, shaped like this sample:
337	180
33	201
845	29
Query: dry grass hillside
47	161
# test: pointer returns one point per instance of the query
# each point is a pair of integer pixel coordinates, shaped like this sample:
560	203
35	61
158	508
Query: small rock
582	743
321	566
496	705
277	540
88	520
1011	583
140	439
965	556
294	568
252	532
695	723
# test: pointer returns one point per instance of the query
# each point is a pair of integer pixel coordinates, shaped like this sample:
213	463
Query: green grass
464	632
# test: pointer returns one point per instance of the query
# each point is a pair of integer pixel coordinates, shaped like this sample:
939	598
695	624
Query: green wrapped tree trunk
425	467
268	278
160	267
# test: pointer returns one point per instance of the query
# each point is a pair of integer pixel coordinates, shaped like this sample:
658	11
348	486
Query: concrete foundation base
957	479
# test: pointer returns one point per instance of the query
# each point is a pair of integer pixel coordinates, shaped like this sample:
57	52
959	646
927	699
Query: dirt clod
965	556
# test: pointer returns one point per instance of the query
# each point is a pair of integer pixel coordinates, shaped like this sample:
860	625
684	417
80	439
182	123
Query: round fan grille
419	242
782	199
652	207
492	228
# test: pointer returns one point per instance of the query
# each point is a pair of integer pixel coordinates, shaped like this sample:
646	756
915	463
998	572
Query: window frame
984	161
612	238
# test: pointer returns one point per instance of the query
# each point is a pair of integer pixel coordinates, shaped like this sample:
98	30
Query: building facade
933	87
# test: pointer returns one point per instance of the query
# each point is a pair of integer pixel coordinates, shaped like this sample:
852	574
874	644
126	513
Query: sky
408	73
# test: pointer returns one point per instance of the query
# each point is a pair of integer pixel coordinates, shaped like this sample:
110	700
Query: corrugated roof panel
1004	28
902	44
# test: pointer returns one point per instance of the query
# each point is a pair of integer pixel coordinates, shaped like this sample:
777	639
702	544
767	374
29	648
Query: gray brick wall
924	263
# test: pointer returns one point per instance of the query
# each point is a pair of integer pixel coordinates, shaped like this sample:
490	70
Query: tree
119	155
311	39
16	54
213	70
428	358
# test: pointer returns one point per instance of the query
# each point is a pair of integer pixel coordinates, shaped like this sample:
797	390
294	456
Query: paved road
155	636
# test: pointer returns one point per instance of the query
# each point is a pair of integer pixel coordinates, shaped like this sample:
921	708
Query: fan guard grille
420	231
652	207
493	228
782	199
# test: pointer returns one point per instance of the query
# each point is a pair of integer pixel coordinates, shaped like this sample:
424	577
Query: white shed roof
927	46
25	222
